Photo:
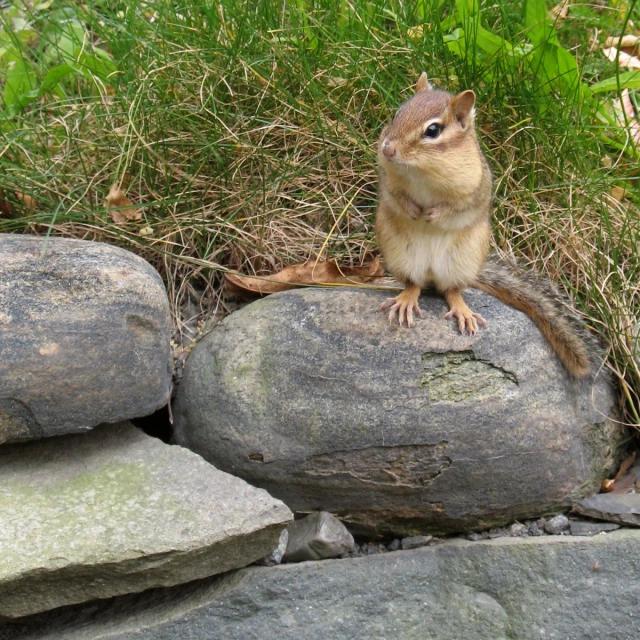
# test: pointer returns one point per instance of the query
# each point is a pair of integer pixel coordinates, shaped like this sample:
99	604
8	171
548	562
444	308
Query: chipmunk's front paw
405	305
414	210
432	214
467	320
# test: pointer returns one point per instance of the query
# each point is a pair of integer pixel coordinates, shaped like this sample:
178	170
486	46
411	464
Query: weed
245	133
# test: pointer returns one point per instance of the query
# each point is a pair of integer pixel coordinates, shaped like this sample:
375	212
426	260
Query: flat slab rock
314	396
114	511
84	336
551	588
623	509
581	528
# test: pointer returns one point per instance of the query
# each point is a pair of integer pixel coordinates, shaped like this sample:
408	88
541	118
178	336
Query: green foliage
43	48
628	80
536	57
536	62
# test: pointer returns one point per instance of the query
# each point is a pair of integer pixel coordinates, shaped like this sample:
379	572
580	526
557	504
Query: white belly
431	259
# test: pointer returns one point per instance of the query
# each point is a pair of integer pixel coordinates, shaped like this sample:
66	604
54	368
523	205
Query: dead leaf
624	59
629	42
305	273
634	126
596	566
560	11
27	200
121	209
625	466
623	481
618	193
335	81
415	33
624	485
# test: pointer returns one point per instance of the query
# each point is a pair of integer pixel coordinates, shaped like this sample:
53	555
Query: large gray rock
312	395
550	588
114	511
84	336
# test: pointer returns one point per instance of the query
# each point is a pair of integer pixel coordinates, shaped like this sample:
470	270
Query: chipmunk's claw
405	305
467	320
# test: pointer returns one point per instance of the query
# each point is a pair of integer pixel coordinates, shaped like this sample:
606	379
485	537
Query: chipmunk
433	223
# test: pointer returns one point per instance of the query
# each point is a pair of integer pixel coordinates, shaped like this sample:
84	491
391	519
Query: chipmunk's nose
388	149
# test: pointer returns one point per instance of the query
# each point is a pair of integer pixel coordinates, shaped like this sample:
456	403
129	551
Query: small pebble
478	535
317	536
394	545
414	542
556	525
373	549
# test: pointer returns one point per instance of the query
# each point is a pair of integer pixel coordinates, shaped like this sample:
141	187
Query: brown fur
433	222
524	292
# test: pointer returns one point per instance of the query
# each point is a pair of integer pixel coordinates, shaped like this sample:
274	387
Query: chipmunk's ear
462	106
423	83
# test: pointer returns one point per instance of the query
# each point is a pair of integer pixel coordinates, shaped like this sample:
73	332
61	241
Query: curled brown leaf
121	209
27	200
560	11
628	43
625	466
310	272
623	58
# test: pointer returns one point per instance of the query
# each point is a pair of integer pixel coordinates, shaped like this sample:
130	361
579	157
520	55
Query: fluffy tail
524	292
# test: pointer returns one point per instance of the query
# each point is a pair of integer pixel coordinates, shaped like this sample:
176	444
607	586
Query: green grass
247	130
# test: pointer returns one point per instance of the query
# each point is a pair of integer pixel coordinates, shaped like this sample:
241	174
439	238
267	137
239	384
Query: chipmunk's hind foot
468	321
404	305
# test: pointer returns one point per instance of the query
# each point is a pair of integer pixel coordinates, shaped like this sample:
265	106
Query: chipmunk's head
430	129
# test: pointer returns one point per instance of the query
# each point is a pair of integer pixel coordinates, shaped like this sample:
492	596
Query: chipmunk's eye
433	130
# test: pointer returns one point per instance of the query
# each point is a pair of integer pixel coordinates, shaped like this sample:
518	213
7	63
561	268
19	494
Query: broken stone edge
162	613
166	569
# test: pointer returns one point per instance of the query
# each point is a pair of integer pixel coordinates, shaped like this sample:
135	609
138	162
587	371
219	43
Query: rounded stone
314	396
556	525
84	336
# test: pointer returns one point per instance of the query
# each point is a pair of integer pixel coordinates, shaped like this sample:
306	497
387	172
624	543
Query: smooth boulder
84	336
549	588
314	396
114	511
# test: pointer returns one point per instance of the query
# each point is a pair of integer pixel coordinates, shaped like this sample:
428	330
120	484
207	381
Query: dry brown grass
256	155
